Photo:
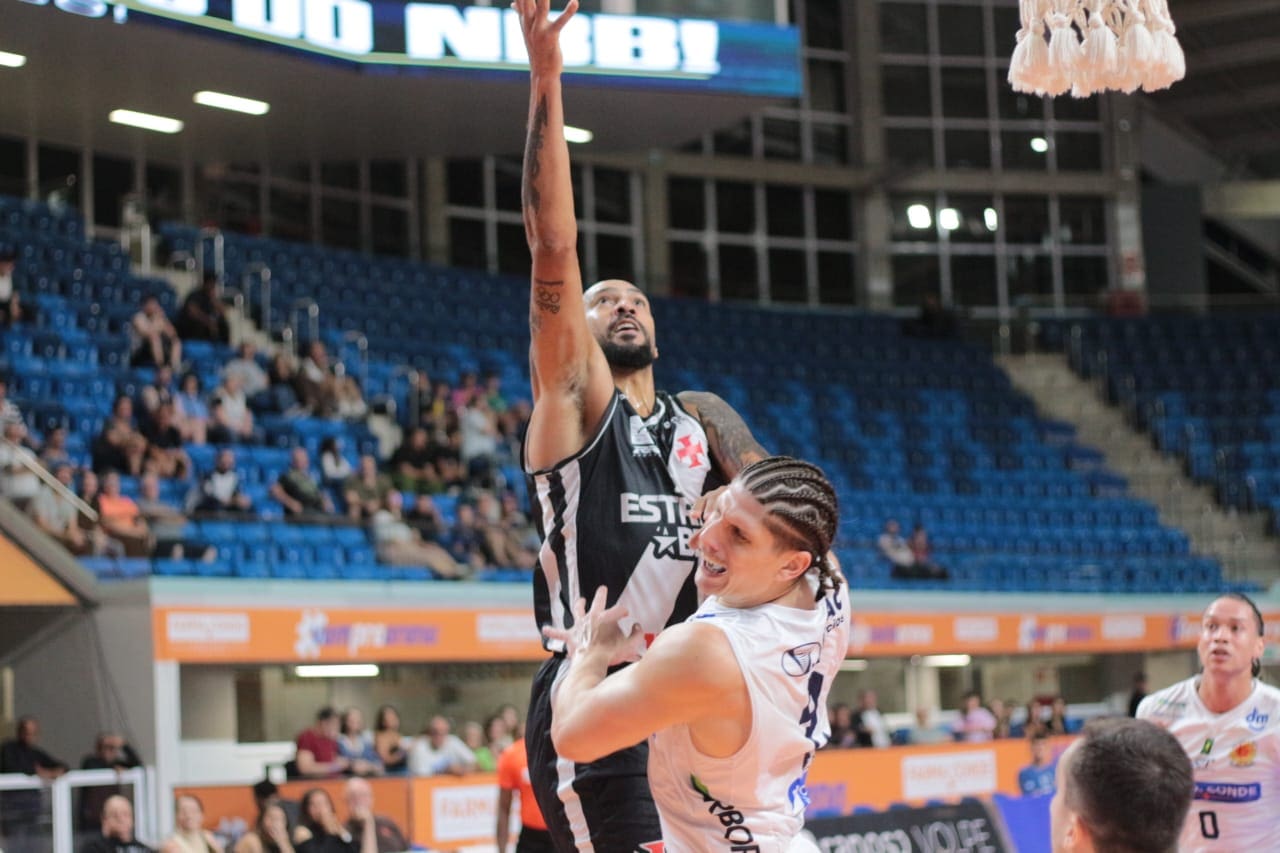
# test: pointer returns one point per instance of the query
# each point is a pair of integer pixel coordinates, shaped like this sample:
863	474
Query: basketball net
1088	46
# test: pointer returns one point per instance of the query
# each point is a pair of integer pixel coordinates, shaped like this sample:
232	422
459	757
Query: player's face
740	559
1061	818
1229	640
619	318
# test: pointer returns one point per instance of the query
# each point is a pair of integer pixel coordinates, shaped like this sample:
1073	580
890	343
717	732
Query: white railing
57	803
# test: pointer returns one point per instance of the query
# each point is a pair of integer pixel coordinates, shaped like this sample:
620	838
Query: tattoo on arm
732	444
545	295
532	153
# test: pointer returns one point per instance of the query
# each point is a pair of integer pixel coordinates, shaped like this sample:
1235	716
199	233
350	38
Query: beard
628	356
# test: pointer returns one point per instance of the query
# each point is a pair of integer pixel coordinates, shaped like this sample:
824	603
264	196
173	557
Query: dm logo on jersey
1244	754
801	660
1224	792
1257	722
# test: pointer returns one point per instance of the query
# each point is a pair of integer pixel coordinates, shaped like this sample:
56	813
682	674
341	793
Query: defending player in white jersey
733	700
1229	724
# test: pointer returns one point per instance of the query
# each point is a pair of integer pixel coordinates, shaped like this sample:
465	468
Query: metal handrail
313	317
28	461
62	812
362	348
219	252
262	274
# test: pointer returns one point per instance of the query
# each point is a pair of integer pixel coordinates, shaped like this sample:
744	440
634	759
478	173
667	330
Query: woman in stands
190	836
271	835
389	743
1229	724
320	831
733	701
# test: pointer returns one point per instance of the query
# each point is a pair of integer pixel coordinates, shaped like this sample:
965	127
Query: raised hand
596	631
541	34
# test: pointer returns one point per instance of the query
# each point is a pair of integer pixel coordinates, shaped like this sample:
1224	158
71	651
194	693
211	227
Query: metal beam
1243	200
1237	55
1187	15
1247	99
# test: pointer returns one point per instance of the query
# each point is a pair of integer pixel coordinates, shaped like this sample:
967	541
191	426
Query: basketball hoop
1088	46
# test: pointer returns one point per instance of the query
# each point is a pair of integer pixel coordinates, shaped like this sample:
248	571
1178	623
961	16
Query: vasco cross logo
801	660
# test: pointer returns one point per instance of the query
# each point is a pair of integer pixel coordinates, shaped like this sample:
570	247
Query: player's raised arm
732	445
571	381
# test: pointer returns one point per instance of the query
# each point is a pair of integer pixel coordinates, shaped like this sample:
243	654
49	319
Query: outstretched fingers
563	18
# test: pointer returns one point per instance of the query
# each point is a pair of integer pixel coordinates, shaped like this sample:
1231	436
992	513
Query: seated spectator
412	468
253	379
165	455
1034	722
924	730
366	492
1037	778
21	811
350	404
355	744
922	553
498	735
1056	724
270	833
54	450
320	831
155	340
8	294
359	798
266	794
505	543
1004	719
231	420
465	540
473	737
446	455
843	735
117	830
219	490
317	748
280	397
153	395
316	382
425	517
9	411
297	491
900	555
189	834
334	467
478	447
398	544
121	519
90	489
120	446
493	393
168	525
975	723
436	407
389	742
18	479
438	752
869	727
110	752
58	517
193	411
203	317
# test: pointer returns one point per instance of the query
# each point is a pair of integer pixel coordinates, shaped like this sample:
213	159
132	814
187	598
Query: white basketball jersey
755	799
1236	759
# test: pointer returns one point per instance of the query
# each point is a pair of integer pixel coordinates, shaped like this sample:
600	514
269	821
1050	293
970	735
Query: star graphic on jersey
690	452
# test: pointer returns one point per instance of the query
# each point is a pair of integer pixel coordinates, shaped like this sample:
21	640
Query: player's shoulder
1268	696
1168	703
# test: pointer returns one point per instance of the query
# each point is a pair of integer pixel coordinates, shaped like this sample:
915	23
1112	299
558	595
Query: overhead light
943	661
232	102
336	670
577	135
1039	144
854	665
918	216
12	60
991	219
949	218
146	121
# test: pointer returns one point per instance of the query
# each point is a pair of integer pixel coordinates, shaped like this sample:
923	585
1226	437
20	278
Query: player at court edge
733	701
615	466
1228	722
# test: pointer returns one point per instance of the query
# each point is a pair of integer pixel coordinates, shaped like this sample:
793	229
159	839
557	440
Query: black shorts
534	841
605	804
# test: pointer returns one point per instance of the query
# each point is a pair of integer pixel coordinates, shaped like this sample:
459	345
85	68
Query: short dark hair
325	713
1130	782
265	790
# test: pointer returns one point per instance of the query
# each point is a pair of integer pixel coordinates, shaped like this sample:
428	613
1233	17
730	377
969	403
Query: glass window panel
112	181
389	177
613	195
830	143
686	204
1024	150
290	215
1082	220
236	205
904	28
784	207
823	26
164	191
465	182
344	175
59	171
340	223
735	207
688	269
788	276
909	147
1076	109
513	250
1026	219
906	90
914	278
466	244
739	273
1016	106
975	218
390	231
508	178
836	279
973	280
614	258
961	31
781	138
914	219
734	141
13	166
833	214
826	86
1030	278
1083	276
1079	152
964	92
967	149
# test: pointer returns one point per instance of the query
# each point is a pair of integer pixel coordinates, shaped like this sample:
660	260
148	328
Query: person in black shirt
21	810
203	316
110	752
1139	692
117	830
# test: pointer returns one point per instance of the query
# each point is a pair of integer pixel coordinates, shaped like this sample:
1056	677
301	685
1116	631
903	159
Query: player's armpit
732	445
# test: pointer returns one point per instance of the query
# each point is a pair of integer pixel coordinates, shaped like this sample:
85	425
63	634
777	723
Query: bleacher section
919	430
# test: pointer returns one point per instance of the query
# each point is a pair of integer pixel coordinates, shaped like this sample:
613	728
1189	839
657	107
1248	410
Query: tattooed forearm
732	444
532	155
546	295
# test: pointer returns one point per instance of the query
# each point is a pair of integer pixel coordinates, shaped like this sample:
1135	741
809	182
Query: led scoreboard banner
686	54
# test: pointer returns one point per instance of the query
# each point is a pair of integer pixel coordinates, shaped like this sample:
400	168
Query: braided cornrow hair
801	508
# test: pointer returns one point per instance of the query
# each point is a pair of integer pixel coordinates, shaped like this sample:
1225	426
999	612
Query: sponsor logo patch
1245	754
1225	792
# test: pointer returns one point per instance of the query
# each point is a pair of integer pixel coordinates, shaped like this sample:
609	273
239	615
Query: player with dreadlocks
733	701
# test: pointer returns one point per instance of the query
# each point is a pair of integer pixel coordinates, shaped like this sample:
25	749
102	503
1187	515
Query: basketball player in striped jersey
616	466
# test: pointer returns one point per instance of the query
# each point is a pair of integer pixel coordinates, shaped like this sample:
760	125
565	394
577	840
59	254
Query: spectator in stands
504	543
320	831
168	525
922	553
1056	724
498	734
924	730
902	555
1037	778
316	382
219	490
298	491
1034	721
437	751
317	748
465	540
232	421
473	737
117	829
425	517
869	727
189	834
280	397
389	743
270	832
90	489
57	516
1003	715
1138	693
203	317
19	482
8	294
121	519
493	393
513	775
359	798
154	394
399	544
975	723
842	733
165	455
120	446
355	745
9	411
479	439
193	411
23	755
435	406
350	404
412	467
110	752
54	450
253	379
155	339
334	467
266	793
20	811
366	492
